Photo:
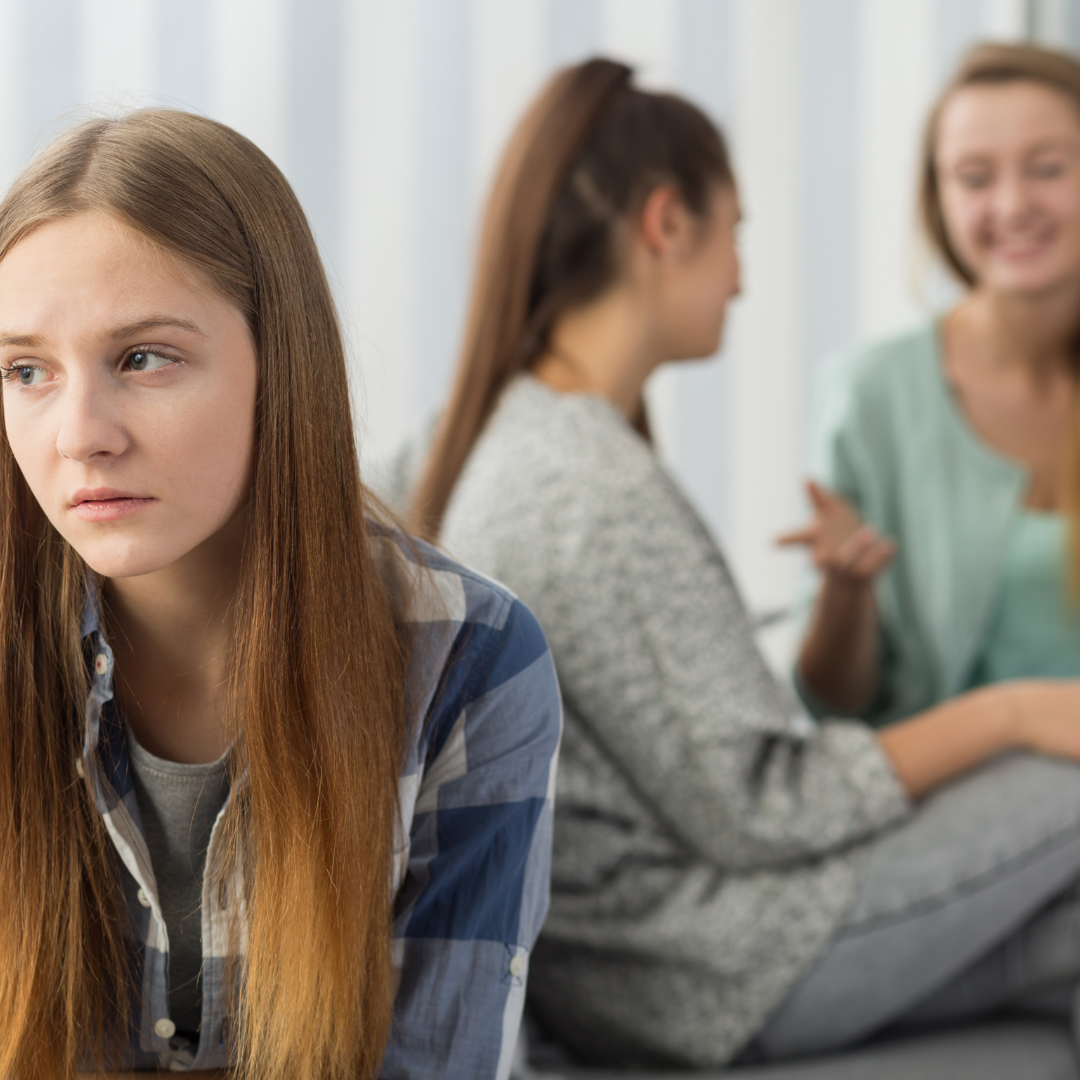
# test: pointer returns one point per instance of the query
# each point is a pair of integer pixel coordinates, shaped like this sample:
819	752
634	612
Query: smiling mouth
1022	244
1008	247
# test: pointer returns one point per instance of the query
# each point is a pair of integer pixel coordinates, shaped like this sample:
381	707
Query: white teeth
1019	243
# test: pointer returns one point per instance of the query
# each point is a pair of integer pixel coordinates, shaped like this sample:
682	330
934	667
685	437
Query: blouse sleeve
848	419
475	888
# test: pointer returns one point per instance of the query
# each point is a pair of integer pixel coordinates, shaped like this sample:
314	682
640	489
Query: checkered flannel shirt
471	862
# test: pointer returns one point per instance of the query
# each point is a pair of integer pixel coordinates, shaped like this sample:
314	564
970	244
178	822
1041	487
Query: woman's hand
1047	716
839	657
1041	715
842	547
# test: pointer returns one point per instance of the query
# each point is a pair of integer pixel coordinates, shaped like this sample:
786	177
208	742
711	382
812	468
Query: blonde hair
317	710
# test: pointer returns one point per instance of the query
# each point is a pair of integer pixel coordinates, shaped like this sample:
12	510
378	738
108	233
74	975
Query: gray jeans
970	906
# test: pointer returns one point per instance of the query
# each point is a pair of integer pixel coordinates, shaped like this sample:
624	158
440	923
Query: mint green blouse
890	437
1035	628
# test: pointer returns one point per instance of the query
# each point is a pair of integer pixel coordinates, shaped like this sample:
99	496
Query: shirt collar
91	616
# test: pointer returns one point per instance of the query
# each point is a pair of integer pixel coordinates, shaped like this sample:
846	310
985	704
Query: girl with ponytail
274	779
731	877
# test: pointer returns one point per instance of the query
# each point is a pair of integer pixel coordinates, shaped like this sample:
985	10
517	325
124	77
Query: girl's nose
89	427
1012	199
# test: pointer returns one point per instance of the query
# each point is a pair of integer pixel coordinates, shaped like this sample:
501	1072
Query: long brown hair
580	162
995	65
316	709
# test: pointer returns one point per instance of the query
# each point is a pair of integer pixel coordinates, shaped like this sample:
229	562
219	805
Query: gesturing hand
841	545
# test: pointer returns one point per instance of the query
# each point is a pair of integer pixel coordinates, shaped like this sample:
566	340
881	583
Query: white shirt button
165	1028
143	898
517	966
101	663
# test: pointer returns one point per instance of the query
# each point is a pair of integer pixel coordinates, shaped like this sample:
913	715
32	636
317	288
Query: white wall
388	117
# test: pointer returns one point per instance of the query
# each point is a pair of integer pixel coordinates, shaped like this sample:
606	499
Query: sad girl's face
128	396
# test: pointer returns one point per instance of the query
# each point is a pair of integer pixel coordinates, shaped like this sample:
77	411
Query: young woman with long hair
274	779
729	876
948	456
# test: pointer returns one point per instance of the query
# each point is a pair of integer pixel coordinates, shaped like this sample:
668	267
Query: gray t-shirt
179	805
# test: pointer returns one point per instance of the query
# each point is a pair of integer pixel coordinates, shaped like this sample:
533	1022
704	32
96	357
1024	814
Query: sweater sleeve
843	460
657	658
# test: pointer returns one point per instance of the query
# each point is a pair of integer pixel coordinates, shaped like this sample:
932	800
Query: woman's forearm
1042	715
839	659
947	740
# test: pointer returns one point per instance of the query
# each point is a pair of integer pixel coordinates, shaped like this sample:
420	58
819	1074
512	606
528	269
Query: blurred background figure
387	116
710	841
958	441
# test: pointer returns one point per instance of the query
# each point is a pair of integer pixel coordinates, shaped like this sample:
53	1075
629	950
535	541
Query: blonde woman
274	779
947	456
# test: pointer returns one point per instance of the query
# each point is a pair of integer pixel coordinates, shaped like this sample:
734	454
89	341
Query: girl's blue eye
144	360
29	375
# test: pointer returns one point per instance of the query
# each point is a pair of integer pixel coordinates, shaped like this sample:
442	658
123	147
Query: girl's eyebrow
119	333
22	341
1053	142
154	322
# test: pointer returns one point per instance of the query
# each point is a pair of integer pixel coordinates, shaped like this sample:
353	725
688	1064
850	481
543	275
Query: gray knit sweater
707	832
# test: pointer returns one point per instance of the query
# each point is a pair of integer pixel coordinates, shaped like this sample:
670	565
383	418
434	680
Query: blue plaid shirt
471	861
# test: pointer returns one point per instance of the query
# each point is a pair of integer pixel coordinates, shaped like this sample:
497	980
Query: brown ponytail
583	158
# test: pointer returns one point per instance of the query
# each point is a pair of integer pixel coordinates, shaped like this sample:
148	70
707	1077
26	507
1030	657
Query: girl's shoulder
880	374
542	446
467	634
438	589
531	411
551	474
871	397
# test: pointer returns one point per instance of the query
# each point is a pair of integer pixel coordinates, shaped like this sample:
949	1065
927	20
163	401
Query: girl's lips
1021	250
111	509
